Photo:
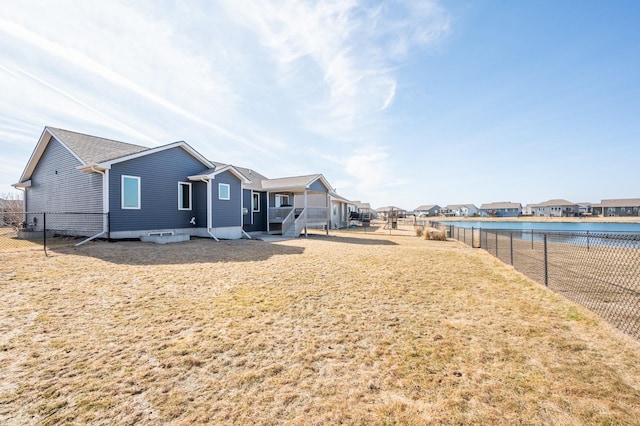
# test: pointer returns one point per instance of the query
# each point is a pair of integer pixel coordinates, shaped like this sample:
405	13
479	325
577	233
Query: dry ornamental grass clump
325	330
435	235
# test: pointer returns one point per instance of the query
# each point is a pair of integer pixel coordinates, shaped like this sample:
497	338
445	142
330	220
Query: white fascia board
25	184
213	175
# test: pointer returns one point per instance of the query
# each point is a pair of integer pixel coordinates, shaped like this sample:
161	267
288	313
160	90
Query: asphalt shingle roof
93	149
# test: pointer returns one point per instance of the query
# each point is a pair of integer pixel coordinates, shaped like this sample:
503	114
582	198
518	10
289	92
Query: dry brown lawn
353	328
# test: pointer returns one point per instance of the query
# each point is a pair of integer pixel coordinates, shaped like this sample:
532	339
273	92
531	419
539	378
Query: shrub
436	235
419	231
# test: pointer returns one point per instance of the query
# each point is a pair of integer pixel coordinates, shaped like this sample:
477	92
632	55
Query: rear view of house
130	191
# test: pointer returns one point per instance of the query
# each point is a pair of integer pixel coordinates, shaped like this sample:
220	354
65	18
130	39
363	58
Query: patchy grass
352	328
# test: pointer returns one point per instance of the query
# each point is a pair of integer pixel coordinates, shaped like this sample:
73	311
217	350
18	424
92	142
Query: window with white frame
130	192
255	202
224	191
184	195
282	200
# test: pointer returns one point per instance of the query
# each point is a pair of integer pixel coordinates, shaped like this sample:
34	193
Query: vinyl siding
57	186
159	175
318	186
226	212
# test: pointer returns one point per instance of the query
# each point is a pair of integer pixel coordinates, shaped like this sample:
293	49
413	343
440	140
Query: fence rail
40	230
601	271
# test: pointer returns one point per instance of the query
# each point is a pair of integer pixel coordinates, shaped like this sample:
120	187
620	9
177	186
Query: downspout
209	208
242	211
105	229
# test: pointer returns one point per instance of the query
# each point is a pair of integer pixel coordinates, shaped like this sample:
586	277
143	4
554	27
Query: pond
596	227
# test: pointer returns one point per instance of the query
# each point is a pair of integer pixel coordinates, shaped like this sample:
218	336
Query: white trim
180	207
105	191
223	185
122	206
216	172
209	209
253	194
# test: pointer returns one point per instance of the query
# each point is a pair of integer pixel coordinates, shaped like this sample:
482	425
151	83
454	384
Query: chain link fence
601	271
39	230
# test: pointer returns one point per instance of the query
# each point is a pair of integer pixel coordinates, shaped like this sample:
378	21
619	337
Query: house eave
25	184
211	176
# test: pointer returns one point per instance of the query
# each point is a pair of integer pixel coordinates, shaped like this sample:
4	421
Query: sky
402	103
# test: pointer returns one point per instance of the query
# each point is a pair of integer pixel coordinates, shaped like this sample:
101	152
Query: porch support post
328	210
305	212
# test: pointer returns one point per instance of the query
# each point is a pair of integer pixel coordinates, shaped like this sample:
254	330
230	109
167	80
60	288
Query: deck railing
278	214
317	214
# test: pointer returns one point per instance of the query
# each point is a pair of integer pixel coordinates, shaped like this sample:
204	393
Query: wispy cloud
351	47
280	79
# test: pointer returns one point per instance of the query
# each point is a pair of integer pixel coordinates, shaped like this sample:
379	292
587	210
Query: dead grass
352	328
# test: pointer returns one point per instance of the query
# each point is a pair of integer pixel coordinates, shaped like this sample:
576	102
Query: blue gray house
501	209
135	191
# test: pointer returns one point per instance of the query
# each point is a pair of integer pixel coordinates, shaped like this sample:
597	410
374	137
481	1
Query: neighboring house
428	210
585	209
527	210
461	210
362	212
555	208
618	207
135	191
501	209
341	209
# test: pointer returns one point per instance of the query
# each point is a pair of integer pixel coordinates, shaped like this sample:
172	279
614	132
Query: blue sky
397	103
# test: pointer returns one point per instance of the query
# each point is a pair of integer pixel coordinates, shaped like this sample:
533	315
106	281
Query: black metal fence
601	271
42	230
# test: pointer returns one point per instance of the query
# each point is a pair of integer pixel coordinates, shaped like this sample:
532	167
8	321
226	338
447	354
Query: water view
596	227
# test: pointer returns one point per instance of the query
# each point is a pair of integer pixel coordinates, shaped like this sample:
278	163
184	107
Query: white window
130	191
255	202
282	200
184	195
224	191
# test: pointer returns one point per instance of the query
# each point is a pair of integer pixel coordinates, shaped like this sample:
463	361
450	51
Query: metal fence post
496	233
546	263
44	230
587	240
511	246
532	239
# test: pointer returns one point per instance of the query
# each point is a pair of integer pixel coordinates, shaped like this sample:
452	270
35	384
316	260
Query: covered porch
292	209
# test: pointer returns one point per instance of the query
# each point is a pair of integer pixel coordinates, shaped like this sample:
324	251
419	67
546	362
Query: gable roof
294	183
92	149
501	205
221	168
620	202
553	203
86	149
426	207
459	206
